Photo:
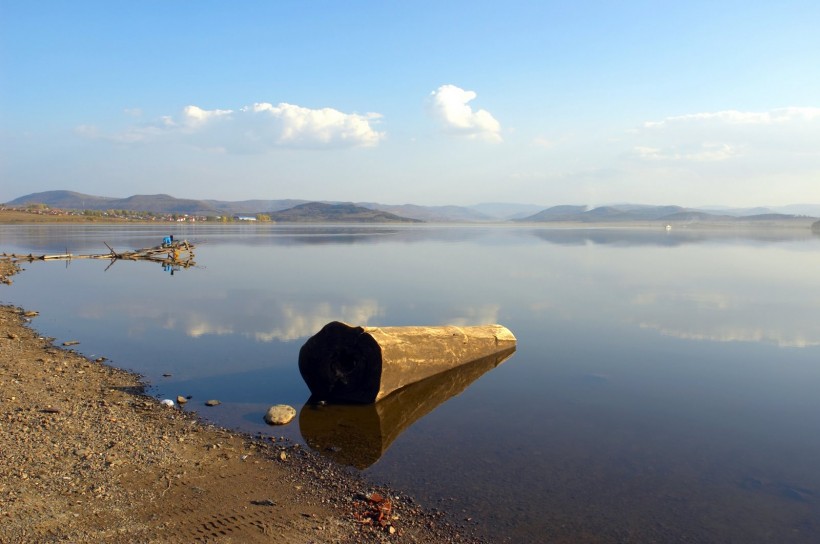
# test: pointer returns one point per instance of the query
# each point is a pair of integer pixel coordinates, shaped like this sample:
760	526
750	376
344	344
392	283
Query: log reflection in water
359	434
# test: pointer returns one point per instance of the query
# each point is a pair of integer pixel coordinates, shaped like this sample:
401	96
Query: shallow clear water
665	385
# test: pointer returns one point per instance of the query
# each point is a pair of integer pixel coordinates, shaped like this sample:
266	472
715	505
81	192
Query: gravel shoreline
87	456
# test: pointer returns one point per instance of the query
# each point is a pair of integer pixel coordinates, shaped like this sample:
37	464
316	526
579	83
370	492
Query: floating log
63	256
365	364
359	434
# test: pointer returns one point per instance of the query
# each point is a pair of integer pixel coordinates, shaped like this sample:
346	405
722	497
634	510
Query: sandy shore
86	456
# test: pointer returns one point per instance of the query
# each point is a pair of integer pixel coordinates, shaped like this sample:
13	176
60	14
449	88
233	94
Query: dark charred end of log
341	363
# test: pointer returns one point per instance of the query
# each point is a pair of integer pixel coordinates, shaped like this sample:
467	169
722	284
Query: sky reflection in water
664	387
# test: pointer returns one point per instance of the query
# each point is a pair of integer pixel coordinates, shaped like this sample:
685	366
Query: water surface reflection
664	387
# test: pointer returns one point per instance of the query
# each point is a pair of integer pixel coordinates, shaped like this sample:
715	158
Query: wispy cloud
252	129
706	152
730	134
543	143
735	117
450	106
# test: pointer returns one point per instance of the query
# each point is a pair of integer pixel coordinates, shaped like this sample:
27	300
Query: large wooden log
365	364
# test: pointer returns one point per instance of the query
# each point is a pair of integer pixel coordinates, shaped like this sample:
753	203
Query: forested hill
318	212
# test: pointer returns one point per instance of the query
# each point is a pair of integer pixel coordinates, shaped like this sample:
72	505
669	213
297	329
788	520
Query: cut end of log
341	362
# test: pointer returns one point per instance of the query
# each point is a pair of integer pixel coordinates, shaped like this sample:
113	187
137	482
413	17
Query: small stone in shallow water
281	414
212	402
181	399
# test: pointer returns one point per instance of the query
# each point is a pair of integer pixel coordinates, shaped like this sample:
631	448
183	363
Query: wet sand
86	456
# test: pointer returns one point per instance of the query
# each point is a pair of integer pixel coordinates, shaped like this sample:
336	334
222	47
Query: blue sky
689	103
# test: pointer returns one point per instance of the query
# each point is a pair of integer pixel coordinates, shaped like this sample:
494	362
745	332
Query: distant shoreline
19	217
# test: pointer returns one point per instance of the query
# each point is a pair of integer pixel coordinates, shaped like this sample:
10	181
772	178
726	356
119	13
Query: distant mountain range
289	210
160	204
669	214
69	200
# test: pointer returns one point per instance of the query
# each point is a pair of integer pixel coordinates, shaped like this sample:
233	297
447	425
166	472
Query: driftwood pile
176	254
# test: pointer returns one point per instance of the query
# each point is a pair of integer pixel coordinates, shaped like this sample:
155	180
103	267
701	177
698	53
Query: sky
423	102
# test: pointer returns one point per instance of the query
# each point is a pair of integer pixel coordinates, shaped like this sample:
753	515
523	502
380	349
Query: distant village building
244	218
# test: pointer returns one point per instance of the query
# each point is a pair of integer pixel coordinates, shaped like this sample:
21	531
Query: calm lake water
666	386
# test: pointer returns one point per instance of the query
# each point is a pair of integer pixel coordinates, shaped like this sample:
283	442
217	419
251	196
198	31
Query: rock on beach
280	414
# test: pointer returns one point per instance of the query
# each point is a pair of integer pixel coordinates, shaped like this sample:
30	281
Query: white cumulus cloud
252	129
450	106
296	125
195	117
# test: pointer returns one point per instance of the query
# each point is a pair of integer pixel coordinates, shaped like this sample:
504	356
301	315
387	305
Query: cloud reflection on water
752	290
277	321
